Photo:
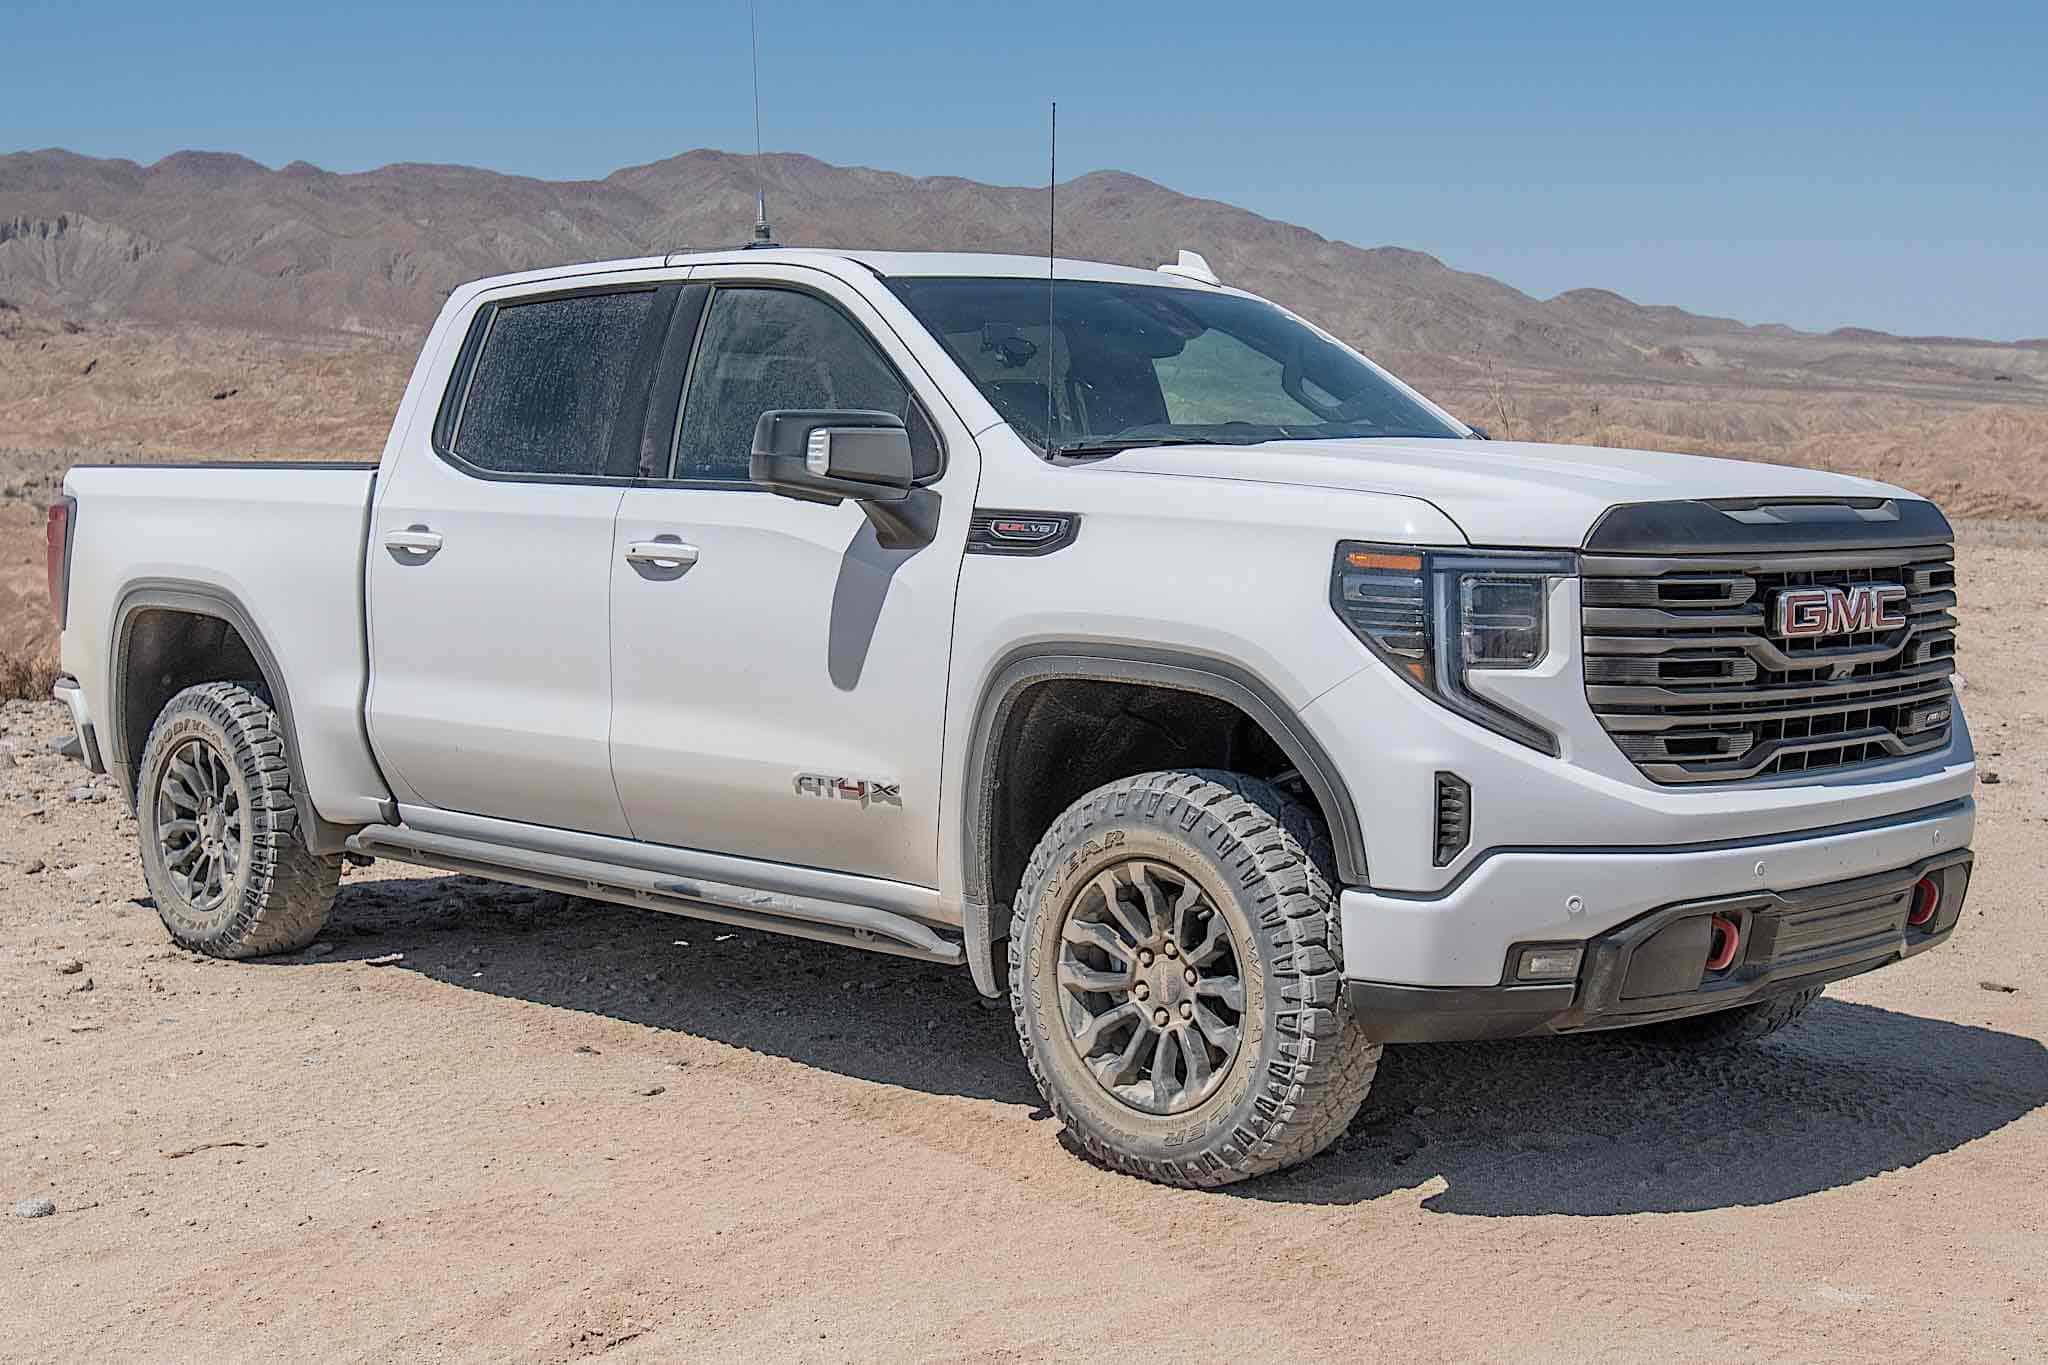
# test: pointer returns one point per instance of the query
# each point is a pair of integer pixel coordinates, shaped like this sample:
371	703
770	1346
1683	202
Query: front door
489	564
779	679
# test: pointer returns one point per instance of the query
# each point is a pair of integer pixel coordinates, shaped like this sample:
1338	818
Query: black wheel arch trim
322	837
1181	670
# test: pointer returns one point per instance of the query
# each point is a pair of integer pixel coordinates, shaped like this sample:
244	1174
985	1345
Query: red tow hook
1926	900
1726	942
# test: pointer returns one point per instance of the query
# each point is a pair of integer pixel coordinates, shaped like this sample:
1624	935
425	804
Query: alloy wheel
1151	988
199	825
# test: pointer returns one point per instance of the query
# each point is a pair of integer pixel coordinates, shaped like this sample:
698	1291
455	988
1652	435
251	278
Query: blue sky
1820	163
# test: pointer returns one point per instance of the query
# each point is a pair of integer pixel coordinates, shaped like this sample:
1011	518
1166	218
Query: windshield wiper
1084	450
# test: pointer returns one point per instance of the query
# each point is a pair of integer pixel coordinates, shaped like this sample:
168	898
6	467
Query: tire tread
286	891
1324	1064
1728	1028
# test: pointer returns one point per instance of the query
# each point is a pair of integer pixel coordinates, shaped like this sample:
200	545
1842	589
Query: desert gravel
492	1124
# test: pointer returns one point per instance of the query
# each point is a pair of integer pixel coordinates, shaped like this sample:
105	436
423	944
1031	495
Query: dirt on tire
1304	1063
280	894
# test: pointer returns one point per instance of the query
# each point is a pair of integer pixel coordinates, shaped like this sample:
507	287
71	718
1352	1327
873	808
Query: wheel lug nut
1145	957
1190	975
1187	1011
1141	990
1172	950
1160	1017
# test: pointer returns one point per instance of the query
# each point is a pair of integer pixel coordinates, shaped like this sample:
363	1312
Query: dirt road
552	1130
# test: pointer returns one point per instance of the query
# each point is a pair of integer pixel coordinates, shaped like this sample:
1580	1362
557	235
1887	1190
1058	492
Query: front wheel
218	824
1726	1028
1174	976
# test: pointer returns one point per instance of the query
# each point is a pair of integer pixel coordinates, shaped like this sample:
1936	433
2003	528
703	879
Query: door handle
664	554
413	541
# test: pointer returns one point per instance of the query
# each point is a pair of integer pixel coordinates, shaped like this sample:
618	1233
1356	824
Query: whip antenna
763	234
1052	199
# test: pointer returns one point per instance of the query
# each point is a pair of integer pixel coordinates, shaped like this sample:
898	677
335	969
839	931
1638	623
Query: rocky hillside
216	239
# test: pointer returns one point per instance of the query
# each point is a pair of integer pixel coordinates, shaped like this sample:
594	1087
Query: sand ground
553	1130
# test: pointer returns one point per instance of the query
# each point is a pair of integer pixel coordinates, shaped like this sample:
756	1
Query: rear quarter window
544	394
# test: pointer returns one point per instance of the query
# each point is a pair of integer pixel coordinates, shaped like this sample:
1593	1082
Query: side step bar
851	926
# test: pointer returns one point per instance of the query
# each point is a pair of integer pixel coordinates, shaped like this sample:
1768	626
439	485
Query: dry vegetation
26	677
1977	458
135	390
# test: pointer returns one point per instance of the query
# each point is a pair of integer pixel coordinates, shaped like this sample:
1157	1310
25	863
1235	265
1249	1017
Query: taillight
57	545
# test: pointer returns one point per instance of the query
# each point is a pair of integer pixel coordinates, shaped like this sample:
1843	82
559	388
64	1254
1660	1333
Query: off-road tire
1303	1064
1727	1028
279	894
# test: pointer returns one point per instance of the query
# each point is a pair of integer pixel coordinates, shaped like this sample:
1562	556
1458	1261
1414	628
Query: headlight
1437	615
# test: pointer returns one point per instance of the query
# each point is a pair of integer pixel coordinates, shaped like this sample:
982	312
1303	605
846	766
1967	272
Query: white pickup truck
1113	633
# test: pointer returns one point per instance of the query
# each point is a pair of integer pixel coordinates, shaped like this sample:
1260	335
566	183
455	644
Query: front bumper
1460	936
1654	967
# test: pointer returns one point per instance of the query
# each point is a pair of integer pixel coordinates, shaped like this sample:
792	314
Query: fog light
1548	964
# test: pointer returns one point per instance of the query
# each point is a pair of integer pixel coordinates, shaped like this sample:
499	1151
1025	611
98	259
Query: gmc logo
1804	613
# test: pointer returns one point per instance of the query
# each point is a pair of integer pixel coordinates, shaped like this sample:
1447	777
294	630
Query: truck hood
1516	493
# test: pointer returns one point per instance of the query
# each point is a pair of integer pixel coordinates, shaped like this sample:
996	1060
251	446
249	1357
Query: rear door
489	561
779	683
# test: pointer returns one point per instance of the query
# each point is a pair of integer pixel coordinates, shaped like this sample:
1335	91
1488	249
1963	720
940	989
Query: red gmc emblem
1805	613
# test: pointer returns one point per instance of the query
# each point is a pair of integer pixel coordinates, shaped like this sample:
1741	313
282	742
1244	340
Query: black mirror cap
870	456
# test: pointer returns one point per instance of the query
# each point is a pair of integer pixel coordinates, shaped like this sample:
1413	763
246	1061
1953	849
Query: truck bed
276	550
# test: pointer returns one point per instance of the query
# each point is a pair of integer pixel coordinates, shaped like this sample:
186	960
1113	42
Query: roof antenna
763	234
1052	199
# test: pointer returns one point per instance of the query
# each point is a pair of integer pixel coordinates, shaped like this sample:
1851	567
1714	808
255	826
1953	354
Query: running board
850	926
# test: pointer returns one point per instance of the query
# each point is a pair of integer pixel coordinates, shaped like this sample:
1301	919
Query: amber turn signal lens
1374	559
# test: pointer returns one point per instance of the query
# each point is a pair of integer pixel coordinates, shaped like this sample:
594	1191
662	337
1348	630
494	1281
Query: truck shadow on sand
1589	1126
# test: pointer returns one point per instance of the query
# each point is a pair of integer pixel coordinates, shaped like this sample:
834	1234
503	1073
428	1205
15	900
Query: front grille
1684	672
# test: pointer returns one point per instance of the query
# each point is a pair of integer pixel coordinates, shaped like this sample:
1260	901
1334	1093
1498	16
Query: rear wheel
1728	1028
1174	975
219	828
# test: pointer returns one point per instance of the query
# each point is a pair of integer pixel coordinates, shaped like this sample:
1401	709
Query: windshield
1132	364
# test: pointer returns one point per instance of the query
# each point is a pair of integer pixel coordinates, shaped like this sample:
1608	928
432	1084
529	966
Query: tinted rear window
544	396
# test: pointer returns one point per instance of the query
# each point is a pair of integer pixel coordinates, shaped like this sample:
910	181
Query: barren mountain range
216	238
208	304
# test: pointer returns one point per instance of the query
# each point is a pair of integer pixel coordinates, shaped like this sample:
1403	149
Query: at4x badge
850	789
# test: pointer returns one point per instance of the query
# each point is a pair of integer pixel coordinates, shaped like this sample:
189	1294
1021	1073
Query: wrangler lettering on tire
1174	977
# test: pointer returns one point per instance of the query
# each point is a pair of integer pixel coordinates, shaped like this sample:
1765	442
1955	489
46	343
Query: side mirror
822	455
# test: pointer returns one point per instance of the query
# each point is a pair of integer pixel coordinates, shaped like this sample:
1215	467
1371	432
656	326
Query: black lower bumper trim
1443	1014
1791	941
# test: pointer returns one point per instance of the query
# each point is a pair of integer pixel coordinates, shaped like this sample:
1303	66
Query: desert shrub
26	677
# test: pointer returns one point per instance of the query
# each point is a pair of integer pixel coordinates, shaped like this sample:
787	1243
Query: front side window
544	396
1121	365
765	349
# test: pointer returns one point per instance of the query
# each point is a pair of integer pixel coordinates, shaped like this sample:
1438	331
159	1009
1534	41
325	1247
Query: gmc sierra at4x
1115	634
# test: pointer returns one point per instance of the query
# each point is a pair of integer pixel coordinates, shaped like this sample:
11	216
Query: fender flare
206	599
1047	661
